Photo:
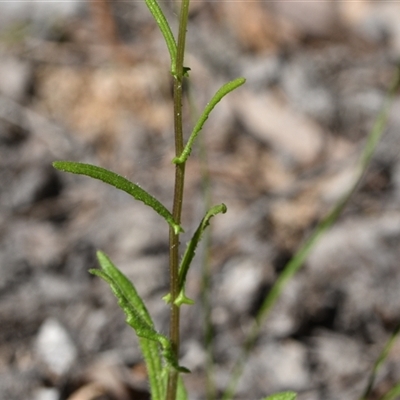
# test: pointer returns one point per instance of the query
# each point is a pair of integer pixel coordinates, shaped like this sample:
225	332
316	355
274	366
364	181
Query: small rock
375	21
14	78
359	260
307	91
47	394
195	356
294	136
257	29
298	13
55	348
279	365
37	243
56	289
12	12
261	72
240	282
344	360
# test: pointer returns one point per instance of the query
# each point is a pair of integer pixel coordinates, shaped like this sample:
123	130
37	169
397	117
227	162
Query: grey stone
275	366
274	123
12	12
240	281
306	91
15	76
55	348
46	394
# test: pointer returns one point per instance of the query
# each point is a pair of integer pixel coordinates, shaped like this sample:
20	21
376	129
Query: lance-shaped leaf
121	183
282	396
150	348
190	253
165	30
154	367
125	285
222	92
135	316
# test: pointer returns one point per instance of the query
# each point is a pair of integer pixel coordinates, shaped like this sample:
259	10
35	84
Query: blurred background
90	81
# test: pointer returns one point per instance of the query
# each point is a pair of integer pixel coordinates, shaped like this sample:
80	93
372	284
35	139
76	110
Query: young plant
160	352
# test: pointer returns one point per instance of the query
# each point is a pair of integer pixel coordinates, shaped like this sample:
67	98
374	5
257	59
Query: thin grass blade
299	258
379	362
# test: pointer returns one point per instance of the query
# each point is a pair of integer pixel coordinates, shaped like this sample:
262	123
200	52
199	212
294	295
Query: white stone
47	394
291	134
55	348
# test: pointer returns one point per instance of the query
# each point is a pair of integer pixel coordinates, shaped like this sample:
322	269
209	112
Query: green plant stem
178	197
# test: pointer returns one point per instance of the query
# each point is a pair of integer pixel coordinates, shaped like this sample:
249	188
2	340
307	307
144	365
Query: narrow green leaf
165	30
222	92
192	245
121	183
190	253
135	319
125	285
282	396
151	355
150	348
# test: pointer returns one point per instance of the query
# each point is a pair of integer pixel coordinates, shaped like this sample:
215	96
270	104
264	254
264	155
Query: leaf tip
100	254
94	271
57	164
183	370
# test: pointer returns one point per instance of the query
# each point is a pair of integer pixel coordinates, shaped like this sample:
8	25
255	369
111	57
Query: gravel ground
77	84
